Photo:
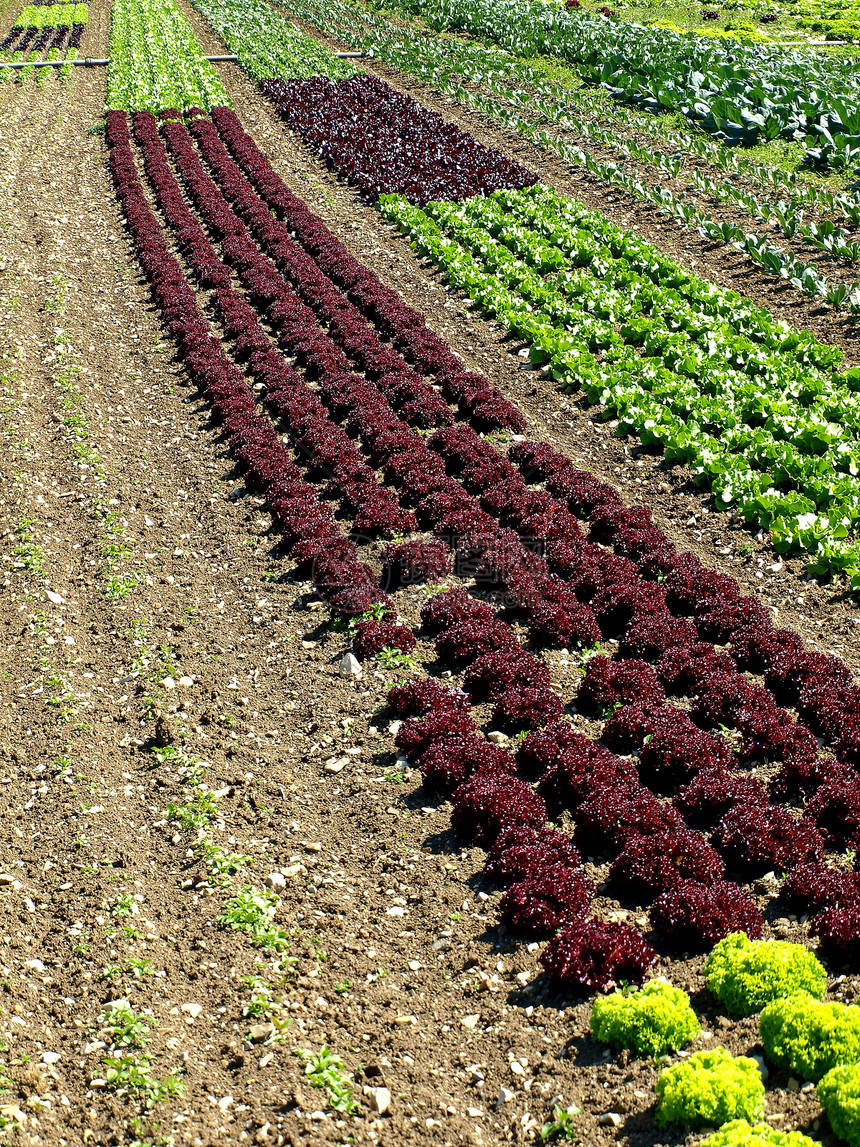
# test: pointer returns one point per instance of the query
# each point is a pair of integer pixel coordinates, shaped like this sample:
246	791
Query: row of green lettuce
156	61
759	411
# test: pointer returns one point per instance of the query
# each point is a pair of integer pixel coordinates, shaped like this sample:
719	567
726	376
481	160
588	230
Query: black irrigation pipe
89	62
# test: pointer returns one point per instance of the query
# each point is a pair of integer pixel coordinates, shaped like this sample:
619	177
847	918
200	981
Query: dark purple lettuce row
384	141
689	603
60	34
12	35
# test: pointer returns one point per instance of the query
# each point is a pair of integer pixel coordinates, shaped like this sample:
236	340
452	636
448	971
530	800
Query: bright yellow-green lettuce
651	1021
711	1087
746	974
740	1133
839	1093
809	1036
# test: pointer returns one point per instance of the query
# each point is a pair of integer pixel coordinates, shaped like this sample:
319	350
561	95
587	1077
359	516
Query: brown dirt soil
138	574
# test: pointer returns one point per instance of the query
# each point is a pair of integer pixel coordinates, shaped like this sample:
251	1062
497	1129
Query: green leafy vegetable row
755	408
156	61
267	44
738	93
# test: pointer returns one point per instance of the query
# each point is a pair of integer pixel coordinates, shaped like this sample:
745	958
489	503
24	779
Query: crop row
737	93
269	45
156	61
493	799
384	141
416	53
446	62
755	419
761	423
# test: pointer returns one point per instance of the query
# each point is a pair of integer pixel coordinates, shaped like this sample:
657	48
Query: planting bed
375	694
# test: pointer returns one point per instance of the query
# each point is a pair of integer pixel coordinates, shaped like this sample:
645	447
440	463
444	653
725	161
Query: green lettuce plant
809	1036
740	1133
650	1022
711	1087
746	974
839	1093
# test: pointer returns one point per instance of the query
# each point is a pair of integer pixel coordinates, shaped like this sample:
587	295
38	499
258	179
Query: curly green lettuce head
740	1133
650	1022
809	1036
711	1087
839	1094
746	974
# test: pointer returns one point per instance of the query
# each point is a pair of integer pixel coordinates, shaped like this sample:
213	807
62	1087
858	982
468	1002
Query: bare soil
146	607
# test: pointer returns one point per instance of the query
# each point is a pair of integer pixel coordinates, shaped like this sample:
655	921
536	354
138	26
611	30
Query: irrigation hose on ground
89	62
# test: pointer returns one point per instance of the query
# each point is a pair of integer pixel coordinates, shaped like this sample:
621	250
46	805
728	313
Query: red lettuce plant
608	818
522	852
526	707
649	865
542	747
837	930
414	737
493	674
835	808
447	763
755	839
485	807
590	955
671	759
468	640
610	683
810	888
418	698
693	917
629	727
411	563
714	792
444	610
580	769
371	637
539	904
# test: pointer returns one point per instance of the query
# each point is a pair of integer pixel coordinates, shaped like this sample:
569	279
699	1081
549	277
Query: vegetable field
431	562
